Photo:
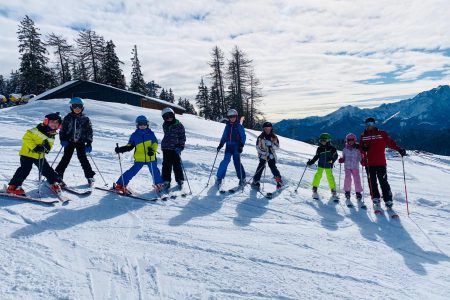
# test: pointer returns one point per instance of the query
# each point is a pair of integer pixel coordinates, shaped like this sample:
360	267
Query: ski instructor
373	144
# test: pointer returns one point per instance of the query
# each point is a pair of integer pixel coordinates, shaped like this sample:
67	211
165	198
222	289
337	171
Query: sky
311	56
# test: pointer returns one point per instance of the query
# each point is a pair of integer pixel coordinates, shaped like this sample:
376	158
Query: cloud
311	56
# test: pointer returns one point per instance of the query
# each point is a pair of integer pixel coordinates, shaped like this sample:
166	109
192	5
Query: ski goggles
168	116
351	140
77	106
142	124
370	124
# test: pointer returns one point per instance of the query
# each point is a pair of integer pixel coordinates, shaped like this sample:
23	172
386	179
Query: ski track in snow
212	246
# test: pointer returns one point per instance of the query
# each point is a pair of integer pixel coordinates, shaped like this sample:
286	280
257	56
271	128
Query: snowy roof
68	83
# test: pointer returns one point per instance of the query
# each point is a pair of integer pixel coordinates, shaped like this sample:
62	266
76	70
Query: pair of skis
61	198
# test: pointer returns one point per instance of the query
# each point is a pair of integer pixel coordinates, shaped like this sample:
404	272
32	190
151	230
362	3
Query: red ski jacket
376	140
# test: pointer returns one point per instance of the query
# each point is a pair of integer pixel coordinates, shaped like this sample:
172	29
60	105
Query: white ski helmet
232	113
166	111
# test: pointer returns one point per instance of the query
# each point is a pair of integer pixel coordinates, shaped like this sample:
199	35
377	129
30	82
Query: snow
208	246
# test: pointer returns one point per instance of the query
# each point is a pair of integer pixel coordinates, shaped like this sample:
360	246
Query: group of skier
76	134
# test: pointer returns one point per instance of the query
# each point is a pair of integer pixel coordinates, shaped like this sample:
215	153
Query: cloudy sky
311	56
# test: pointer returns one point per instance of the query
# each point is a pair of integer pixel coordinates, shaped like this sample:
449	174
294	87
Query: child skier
145	145
266	145
351	157
327	155
76	133
172	144
36	143
234	138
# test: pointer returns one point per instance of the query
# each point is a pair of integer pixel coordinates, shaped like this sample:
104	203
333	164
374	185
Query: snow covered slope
209	246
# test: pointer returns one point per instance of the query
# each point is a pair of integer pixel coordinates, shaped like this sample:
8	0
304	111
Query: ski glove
341	160
309	162
402	152
121	149
363	163
219	147
88	148
39	149
64	144
178	150
241	148
150	151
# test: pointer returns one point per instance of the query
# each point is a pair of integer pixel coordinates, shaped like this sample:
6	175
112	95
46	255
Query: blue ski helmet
76	100
140	120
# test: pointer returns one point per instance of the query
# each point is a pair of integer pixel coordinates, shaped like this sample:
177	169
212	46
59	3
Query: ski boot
15	190
334	196
279	182
256	185
218	183
348	203
389	204
180	184
361	203
121	188
166	186
90	181
315	195
56	188
242	182
376	206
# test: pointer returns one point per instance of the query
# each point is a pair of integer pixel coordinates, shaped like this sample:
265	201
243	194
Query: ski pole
362	173
185	176
241	181
120	164
264	178
369	178
339	184
98	170
298	185
404	181
40	165
59	152
212	168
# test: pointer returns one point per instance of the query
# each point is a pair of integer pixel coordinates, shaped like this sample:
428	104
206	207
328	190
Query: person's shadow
199	206
328	212
249	209
110	206
398	239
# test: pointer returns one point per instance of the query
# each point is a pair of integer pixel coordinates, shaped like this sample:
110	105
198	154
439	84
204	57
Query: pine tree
13	85
217	63
79	70
153	89
35	75
63	51
254	99
238	73
137	83
163	95
111	73
2	85
186	104
170	96
202	100
90	51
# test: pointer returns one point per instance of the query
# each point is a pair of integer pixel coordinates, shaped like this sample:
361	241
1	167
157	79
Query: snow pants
380	172
330	178
26	164
81	154
231	151
130	173
171	160
261	166
349	173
